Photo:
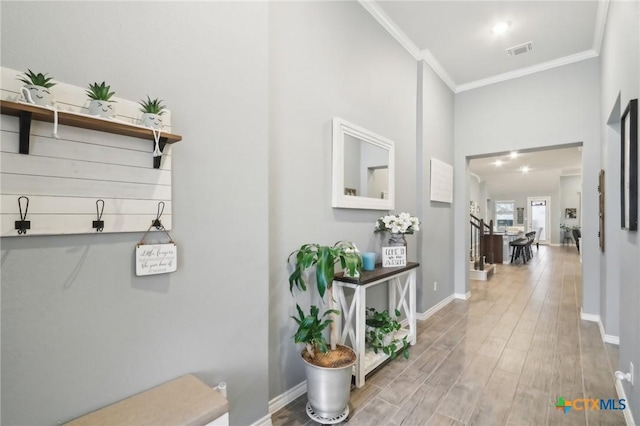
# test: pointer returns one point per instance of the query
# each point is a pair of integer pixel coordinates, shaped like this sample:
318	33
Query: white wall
620	82
327	59
79	330
554	107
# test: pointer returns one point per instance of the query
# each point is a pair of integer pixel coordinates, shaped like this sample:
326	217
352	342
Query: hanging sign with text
394	256
152	259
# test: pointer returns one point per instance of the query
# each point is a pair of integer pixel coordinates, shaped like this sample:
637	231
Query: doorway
538	217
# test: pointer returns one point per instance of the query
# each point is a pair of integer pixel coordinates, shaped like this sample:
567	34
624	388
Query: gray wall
435	140
327	59
620	83
570	195
554	107
79	330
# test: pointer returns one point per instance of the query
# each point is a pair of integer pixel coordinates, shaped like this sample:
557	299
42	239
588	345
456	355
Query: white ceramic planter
103	109
38	94
152	120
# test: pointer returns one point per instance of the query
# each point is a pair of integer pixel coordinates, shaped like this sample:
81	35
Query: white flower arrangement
403	223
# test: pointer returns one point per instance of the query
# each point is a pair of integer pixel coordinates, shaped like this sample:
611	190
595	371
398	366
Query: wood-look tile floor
502	357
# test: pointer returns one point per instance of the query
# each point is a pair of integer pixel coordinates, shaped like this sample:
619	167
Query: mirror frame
339	199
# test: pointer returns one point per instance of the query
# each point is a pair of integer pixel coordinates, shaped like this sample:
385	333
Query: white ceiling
545	168
455	37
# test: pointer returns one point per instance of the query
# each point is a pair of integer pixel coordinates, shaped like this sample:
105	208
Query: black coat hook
23	224
99	224
157	222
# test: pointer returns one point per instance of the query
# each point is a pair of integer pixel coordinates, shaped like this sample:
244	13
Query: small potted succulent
328	368
152	110
36	89
101	103
381	333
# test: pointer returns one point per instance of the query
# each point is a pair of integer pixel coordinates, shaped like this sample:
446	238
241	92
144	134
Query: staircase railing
481	244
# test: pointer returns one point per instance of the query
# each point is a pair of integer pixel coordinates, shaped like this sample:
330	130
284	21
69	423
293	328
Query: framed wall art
629	167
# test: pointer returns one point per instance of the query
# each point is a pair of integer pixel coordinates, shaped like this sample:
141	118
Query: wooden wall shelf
27	112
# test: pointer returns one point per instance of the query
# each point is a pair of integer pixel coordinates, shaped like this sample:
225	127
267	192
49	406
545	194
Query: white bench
183	401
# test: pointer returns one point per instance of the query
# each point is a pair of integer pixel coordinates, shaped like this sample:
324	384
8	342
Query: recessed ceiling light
498	163
525	169
500	28
514	154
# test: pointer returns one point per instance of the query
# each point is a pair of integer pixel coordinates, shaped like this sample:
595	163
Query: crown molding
392	28
601	22
587	54
426	56
388	24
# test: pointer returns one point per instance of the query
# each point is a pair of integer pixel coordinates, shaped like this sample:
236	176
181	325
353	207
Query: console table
402	296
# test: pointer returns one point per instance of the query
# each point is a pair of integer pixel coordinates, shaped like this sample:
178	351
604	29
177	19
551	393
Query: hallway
502	357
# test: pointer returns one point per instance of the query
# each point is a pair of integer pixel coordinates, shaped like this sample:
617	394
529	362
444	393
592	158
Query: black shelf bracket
25	131
161	144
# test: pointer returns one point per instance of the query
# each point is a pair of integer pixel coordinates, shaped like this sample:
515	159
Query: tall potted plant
328	368
36	87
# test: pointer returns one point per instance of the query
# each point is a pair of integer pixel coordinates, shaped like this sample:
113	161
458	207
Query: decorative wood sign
394	256
152	259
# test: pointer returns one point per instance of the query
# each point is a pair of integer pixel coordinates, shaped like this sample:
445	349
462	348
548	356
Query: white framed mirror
363	173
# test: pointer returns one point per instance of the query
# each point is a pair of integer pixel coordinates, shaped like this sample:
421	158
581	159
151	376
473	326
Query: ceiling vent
520	49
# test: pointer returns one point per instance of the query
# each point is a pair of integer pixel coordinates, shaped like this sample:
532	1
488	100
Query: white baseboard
607	338
589	317
444	302
464	296
614	340
265	421
628	415
286	398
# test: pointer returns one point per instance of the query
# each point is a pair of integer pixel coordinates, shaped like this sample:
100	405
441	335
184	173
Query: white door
538	216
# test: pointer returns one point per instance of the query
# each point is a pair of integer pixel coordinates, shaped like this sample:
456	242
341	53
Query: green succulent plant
99	92
152	106
39	79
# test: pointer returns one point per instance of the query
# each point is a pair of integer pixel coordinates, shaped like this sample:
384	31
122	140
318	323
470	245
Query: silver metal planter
328	390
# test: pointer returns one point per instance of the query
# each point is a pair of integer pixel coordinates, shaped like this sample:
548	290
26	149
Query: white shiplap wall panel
34	165
77	205
71	187
64	177
82	224
78	150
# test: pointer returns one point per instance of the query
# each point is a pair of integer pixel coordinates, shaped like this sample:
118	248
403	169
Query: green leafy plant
381	333
39	79
565	228
99	92
323	258
152	106
311	327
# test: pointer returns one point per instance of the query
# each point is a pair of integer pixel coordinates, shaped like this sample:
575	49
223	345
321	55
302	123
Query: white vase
103	109
152	120
38	95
